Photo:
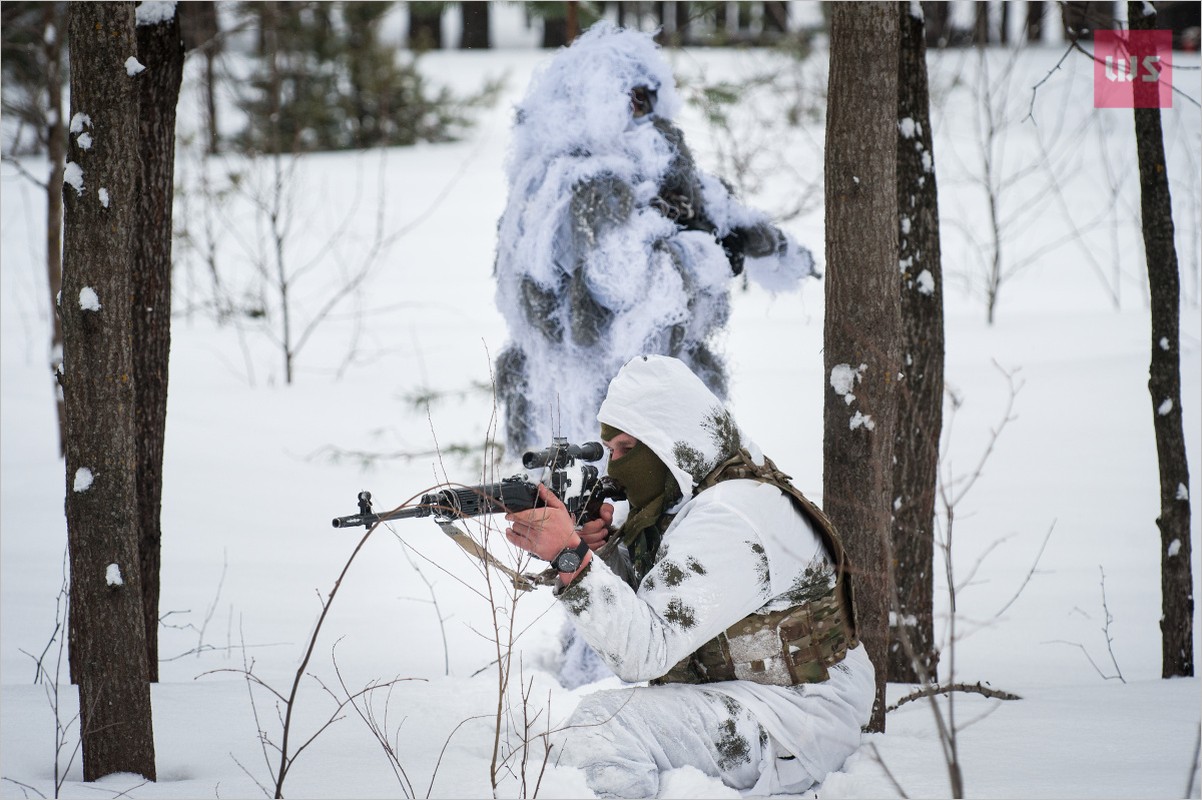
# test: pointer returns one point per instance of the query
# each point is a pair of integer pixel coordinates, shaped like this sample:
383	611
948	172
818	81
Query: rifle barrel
367	520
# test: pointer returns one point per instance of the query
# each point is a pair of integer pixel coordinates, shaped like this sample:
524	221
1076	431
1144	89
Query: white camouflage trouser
623	739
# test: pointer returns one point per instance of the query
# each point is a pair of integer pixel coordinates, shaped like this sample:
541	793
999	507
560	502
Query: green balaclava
640	471
650	488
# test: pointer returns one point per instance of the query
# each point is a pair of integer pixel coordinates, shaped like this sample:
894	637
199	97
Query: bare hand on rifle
544	530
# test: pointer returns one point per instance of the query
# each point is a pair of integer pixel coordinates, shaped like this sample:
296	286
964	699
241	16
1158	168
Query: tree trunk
920	393
56	151
980	24
555	25
862	329
200	29
683	34
571	21
107	634
161	51
937	14
425	26
1035	12
1164	383
776	16
476	28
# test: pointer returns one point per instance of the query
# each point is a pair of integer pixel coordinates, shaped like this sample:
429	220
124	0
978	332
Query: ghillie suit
613	243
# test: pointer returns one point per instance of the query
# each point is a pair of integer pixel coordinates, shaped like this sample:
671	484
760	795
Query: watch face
567	561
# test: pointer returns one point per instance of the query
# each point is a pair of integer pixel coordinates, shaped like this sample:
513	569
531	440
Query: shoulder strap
742	466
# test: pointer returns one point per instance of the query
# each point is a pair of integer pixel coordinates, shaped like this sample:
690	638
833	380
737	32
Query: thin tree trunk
571	21
56	145
980	24
682	33
920	395
425	26
1035	12
776	16
937	14
200	27
161	51
1164	382
555	25
862	327
476	27
107	634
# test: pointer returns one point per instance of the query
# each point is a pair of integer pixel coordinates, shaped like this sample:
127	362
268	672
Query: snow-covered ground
1062	515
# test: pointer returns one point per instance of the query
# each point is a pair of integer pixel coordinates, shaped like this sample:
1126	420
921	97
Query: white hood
659	401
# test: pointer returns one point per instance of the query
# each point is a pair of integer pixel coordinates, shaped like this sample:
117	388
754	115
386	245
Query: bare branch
971	688
1030	572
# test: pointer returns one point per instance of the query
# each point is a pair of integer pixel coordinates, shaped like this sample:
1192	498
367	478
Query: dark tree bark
1164	382
862	328
477	31
107	634
920	393
56	150
161	51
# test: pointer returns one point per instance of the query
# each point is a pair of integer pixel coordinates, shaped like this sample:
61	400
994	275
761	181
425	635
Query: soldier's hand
596	532
544	530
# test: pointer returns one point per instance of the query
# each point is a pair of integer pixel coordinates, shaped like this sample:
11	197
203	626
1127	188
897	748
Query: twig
378	730
442	752
1030	572
952	499
1106	628
1109	640
262	788
876	754
20	168
1035	88
25	787
212	648
1092	663
972	688
1193	767
1075	45
442	627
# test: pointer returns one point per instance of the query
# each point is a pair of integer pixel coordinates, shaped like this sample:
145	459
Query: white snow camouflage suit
611	241
737	548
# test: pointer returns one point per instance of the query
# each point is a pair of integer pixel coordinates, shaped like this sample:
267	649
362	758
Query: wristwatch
569	559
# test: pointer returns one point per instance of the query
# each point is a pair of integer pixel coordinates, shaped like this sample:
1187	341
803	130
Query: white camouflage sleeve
710	572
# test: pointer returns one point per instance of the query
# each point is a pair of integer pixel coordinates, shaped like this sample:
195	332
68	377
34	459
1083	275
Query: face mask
641	473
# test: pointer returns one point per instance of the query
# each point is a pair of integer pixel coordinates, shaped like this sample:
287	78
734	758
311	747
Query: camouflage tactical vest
787	647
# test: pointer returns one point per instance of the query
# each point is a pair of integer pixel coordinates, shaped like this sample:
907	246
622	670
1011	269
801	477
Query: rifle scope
560	454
